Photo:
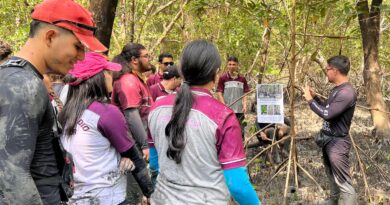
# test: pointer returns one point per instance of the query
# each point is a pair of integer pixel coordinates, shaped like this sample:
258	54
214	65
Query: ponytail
176	126
199	64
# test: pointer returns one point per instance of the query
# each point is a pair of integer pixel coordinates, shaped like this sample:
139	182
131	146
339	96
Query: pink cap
92	64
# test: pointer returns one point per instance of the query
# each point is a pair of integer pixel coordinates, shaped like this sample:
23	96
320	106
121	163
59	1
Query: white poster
270	103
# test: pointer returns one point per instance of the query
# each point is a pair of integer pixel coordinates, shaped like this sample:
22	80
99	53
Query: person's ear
49	36
134	60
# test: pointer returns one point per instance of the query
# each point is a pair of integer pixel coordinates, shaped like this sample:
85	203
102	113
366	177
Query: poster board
270	103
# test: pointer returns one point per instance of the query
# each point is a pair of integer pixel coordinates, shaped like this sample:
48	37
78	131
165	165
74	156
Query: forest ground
310	157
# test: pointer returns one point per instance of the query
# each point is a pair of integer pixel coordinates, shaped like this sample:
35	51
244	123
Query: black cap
171	72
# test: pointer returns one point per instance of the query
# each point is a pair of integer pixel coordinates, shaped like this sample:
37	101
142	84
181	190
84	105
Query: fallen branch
381	172
311	177
362	168
267	148
276	174
290	156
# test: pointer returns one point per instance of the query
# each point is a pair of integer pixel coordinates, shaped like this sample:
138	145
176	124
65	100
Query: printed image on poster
270	103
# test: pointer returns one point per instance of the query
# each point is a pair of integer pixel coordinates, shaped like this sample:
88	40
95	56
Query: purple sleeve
113	126
246	86
221	84
229	144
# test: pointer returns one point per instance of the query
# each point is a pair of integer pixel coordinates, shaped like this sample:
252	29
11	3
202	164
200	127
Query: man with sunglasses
164	60
337	112
60	32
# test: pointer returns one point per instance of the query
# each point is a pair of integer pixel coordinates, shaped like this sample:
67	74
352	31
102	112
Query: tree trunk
132	24
369	21
264	53
104	15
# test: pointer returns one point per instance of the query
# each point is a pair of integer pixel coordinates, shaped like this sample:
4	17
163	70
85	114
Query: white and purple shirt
213	143
232	89
101	134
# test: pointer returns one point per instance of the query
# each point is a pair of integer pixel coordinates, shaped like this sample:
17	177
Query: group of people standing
115	131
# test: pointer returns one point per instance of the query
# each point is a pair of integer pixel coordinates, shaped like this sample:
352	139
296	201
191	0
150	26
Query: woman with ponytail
195	141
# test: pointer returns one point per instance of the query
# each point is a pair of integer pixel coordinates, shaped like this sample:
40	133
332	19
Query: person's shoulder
224	76
154	87
103	108
165	101
17	72
242	77
346	89
213	108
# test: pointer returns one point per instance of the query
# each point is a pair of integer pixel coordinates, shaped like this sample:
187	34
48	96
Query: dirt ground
310	158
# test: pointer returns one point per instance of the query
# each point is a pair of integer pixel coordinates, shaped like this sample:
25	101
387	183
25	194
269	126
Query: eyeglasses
168	63
83	26
145	56
329	68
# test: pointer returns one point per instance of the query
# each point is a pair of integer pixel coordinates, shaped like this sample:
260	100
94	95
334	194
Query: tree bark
369	21
264	53
132	24
104	15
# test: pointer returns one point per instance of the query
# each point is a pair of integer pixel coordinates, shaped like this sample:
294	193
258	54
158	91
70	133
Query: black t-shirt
337	111
26	135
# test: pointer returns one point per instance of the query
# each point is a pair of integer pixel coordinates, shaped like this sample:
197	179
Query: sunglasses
168	63
83	26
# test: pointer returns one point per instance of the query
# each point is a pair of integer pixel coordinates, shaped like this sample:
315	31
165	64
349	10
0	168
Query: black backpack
65	164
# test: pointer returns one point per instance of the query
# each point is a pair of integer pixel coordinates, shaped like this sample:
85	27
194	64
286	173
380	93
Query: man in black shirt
337	112
60	32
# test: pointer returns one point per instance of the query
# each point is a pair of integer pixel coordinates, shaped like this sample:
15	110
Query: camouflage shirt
26	136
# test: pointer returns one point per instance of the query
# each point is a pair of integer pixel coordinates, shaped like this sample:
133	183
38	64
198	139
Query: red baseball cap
92	64
70	15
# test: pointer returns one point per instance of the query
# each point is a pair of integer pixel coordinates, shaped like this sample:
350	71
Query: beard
143	67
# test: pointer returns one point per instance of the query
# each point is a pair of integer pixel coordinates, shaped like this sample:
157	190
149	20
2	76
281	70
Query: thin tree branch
267	148
161	8
327	36
169	27
362	168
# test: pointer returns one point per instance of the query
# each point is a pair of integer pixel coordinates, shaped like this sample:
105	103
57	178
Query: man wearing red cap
60	33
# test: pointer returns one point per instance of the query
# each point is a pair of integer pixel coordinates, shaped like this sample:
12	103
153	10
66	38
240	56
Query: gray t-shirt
232	89
26	134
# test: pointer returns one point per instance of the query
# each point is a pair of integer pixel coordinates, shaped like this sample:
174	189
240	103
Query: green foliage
235	26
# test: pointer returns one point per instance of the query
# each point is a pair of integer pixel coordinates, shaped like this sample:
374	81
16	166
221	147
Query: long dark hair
79	98
124	58
200	62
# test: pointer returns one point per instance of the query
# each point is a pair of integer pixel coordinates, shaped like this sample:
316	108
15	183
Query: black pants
336	162
50	195
241	118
